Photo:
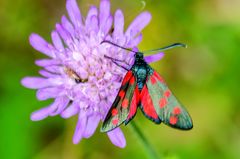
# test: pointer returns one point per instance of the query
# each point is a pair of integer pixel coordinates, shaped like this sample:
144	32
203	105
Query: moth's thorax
140	70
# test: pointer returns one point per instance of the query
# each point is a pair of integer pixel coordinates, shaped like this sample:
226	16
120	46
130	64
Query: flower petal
54	69
135	41
70	111
154	58
41	45
59	105
74	13
92	12
57	42
46	93
138	24
80	128
40	114
46	62
67	25
104	12
65	35
107	25
92	123
94	24
117	138
118	24
35	82
47	74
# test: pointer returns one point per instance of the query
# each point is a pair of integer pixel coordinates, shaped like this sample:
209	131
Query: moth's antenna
109	42
167	47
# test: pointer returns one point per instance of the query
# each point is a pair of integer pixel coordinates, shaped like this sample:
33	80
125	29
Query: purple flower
76	75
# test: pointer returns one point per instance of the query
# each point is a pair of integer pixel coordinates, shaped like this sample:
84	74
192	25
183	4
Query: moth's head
138	56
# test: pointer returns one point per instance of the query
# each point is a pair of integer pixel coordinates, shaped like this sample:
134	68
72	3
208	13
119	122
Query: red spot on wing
114	112
127	77
158	77
147	104
173	120
121	94
132	80
176	110
125	103
153	80
162	102
115	121
134	103
167	93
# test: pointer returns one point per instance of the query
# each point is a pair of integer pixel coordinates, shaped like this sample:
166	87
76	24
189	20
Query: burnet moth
143	87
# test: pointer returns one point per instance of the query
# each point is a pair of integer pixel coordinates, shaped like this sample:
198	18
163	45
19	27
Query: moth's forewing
121	107
168	108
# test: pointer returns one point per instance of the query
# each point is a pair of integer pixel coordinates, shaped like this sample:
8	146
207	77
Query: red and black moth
143	87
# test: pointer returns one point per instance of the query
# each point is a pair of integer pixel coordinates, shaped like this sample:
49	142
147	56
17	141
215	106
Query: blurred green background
205	76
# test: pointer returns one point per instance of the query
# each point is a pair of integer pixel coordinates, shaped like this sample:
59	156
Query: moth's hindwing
147	106
120	109
169	110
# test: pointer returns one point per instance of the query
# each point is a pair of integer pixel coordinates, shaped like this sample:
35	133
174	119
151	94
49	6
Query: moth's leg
117	60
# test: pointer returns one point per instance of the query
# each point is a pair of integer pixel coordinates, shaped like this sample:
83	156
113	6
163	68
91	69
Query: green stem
148	147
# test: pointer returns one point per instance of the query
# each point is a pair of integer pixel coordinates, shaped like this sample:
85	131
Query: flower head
76	75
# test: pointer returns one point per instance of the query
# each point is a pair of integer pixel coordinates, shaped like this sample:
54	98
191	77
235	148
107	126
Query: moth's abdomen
141	77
